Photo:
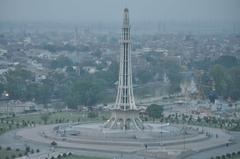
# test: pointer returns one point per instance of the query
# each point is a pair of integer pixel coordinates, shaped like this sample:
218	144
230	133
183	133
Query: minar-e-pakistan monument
125	114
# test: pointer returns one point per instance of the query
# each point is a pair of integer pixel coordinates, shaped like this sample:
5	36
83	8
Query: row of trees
223	74
227	81
72	90
230	124
228	155
20	84
155	111
9	153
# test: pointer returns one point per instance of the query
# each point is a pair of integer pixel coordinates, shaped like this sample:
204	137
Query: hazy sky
111	10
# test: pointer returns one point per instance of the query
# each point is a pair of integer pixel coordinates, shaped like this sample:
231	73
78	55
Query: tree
234	85
227	61
155	111
145	76
220	78
61	62
175	76
97	53
1	88
27	149
84	92
45	117
17	82
54	143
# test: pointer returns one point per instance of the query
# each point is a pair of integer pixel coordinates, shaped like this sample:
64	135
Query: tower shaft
125	97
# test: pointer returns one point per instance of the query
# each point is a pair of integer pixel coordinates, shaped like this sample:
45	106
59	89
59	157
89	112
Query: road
10	139
219	151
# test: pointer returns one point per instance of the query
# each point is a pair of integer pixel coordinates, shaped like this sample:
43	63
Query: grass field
83	157
236	157
10	153
56	117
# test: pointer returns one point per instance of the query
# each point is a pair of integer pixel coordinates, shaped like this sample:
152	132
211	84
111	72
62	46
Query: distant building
16	106
90	69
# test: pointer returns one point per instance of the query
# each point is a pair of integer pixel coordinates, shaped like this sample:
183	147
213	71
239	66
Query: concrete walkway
196	144
42	155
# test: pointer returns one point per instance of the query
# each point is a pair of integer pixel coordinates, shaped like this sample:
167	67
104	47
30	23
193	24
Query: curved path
200	147
45	135
222	150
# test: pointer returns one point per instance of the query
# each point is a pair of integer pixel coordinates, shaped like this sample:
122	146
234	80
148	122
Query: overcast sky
111	10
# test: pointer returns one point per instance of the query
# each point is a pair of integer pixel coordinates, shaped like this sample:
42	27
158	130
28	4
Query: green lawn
73	116
10	153
5	127
83	157
63	116
58	117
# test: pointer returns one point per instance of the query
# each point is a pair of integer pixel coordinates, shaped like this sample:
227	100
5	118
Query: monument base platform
124	120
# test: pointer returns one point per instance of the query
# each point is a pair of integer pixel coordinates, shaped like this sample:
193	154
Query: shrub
52	157
233	154
8	148
19	155
17	149
218	157
37	150
223	156
53	143
229	155
27	149
69	154
238	152
64	155
32	151
0	147
59	156
6	157
92	115
13	156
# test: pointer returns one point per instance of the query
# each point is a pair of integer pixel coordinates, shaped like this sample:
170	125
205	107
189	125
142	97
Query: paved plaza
172	148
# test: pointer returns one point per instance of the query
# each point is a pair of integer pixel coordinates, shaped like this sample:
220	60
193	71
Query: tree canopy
155	111
83	92
225	73
227	61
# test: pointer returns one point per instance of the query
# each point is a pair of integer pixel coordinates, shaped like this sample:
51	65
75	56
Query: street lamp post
7	96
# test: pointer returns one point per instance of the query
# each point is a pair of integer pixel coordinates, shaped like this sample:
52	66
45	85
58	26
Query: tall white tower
125	114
